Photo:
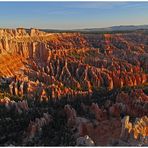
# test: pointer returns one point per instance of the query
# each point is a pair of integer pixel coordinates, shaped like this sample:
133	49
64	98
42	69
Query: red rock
115	110
135	103
71	115
99	114
72	60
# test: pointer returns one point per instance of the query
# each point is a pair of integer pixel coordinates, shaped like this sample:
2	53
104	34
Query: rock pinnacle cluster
73	89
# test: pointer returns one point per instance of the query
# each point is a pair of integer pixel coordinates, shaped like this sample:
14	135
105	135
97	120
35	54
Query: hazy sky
70	15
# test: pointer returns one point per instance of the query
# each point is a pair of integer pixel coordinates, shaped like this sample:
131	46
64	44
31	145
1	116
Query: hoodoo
68	89
68	59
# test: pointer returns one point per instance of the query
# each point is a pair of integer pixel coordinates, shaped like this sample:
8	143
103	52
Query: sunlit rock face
135	134
99	131
5	100
84	88
71	64
122	123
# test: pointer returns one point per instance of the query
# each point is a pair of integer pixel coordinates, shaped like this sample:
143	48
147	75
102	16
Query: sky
72	15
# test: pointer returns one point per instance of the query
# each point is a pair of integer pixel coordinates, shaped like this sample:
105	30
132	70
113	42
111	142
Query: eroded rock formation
75	82
72	63
135	134
36	126
134	104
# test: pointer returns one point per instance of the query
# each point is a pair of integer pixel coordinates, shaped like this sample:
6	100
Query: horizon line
73	28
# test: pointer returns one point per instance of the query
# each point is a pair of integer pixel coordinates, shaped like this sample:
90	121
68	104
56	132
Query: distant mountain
116	28
107	29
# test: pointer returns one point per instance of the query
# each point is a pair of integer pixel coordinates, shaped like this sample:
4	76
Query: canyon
83	88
